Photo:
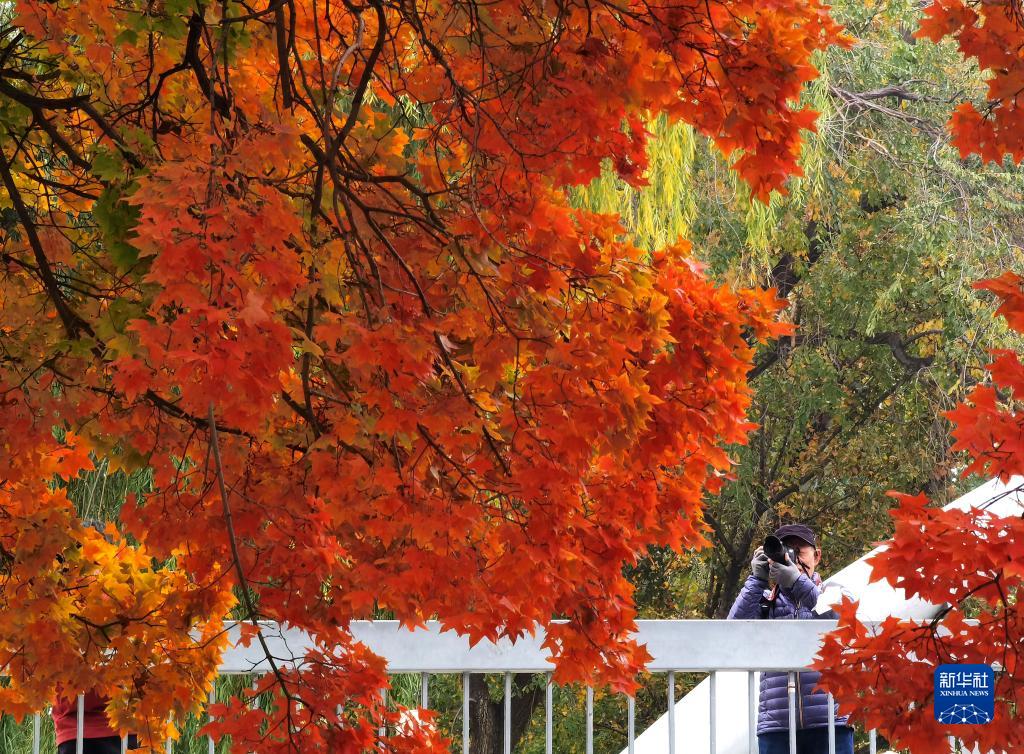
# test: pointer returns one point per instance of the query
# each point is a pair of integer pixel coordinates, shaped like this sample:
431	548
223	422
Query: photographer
794	596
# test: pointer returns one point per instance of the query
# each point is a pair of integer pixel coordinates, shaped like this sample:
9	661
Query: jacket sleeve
748	603
803	593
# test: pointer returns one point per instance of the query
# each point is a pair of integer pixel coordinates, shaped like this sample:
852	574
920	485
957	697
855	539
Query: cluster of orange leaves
989	32
342	230
152	636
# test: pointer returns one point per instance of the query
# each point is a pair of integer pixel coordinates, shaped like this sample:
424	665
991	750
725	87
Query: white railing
676	646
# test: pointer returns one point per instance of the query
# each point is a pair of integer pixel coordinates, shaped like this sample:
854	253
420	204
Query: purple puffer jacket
811	705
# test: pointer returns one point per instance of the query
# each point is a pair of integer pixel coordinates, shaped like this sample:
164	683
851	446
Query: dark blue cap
797	530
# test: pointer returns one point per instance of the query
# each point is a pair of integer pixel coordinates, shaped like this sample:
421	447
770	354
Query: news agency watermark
965	694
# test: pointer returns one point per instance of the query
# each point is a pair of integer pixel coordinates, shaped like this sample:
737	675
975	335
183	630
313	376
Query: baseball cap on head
800	531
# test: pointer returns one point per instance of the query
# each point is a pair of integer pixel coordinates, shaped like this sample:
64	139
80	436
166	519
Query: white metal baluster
424	690
792	713
508	713
752	710
548	693
671	712
465	713
169	743
213	695
714	699
590	720
124	744
383	730
631	723
36	732
873	741
80	733
831	725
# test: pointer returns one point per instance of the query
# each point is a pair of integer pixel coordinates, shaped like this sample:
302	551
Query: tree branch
74	325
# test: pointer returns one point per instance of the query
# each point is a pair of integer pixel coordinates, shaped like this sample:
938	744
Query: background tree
970	562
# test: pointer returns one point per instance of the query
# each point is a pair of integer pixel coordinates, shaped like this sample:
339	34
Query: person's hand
784	574
759	564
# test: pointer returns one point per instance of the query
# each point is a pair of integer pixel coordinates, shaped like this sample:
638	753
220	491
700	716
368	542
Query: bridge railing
711	647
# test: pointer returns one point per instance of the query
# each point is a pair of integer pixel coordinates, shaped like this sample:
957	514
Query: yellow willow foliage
663	211
680	179
805	192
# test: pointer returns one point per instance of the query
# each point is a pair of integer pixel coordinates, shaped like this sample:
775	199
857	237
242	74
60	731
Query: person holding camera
792	568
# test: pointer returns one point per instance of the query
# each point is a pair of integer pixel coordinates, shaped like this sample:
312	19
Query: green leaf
108	165
116	219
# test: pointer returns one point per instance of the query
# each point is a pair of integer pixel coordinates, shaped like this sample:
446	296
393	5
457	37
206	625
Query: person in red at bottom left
97	735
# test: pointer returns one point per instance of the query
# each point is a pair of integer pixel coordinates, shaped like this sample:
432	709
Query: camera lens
774	549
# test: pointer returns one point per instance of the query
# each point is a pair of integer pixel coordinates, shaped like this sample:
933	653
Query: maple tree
969	562
313	264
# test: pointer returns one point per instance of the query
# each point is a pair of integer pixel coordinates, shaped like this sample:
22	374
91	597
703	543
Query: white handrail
680	645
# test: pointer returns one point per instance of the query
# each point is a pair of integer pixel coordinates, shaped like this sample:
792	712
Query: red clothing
65	718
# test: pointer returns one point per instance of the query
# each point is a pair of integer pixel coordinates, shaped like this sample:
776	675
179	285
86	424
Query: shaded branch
74	325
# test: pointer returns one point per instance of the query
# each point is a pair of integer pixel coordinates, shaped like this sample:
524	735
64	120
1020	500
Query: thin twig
243	585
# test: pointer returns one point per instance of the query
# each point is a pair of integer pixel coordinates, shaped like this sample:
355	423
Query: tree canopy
317	271
314	266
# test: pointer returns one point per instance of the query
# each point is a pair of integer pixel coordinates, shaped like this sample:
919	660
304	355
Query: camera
777	551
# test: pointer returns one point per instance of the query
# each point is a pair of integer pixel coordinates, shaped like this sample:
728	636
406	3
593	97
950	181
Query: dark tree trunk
729	573
729	583
487	717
